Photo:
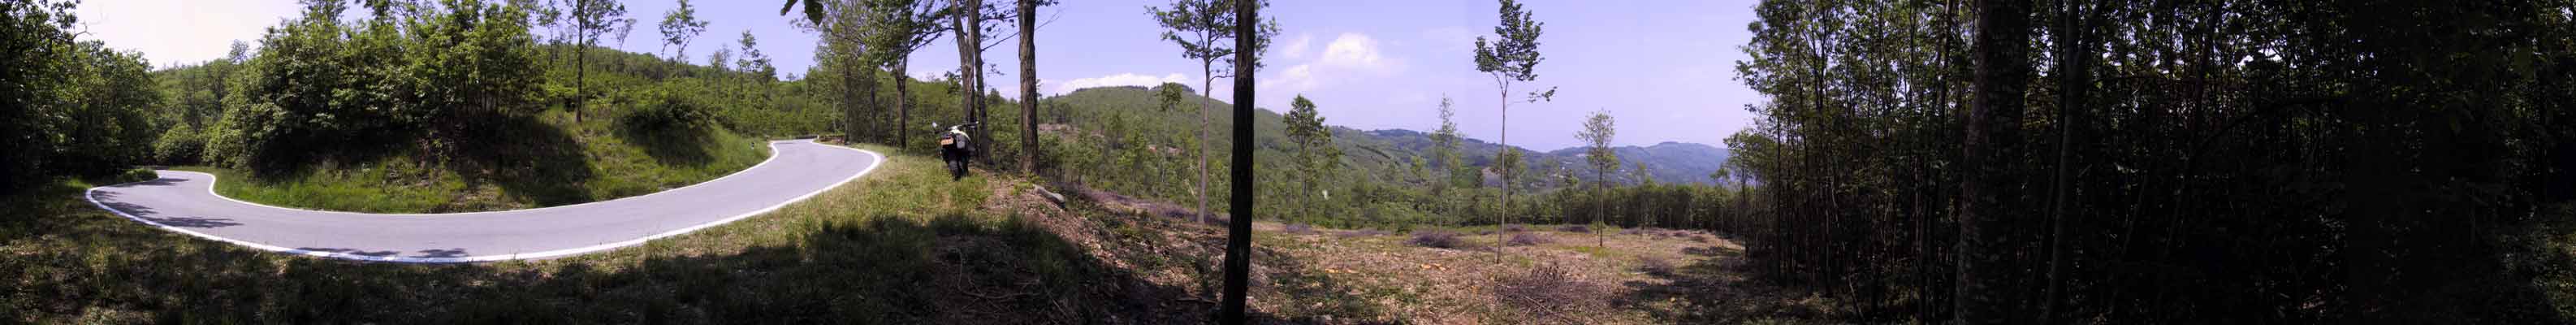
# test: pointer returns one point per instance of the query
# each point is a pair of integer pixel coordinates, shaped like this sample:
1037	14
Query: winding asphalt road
185	202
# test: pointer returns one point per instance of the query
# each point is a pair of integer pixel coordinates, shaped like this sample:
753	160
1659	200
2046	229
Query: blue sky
1663	69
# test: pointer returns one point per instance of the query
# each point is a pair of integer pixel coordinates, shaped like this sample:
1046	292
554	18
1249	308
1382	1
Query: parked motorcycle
954	148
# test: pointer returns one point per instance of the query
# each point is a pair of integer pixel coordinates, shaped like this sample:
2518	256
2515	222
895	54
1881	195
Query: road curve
185	202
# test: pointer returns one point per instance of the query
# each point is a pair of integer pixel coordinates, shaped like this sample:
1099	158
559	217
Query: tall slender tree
1512	56
1029	89
2072	72
896	29
847	52
1317	157
679	26
1444	149
1201	28
1598	129
591	18
1238	233
968	25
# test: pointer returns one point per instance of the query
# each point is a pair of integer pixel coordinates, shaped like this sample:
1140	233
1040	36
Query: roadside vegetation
1912	162
604	168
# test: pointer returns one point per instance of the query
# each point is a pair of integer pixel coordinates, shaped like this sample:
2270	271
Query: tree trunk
1504	218
902	102
1238	244
580	76
1207	79
2072	84
965	25
1029	93
1985	277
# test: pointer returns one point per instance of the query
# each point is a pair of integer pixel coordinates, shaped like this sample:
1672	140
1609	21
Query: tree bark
902	102
1986	284
1238	246
1207	73
2072	84
966	25
1029	90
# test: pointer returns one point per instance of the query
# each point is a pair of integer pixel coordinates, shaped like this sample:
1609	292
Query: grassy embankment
896	245
902	245
561	163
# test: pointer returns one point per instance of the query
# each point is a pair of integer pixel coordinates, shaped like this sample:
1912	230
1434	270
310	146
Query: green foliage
1444	150
1317	158
663	110
324	86
181	145
66	107
1598	129
679	26
1513	53
1204	29
472	58
2158	162
104	127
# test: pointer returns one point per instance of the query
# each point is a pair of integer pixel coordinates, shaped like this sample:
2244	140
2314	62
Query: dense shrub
1437	238
132	175
224	144
661	110
180	146
1526	239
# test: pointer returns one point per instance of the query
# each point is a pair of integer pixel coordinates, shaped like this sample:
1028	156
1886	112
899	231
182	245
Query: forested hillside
1125	138
2246	162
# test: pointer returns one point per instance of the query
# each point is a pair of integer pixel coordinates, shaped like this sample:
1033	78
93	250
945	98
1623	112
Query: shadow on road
943	270
111	199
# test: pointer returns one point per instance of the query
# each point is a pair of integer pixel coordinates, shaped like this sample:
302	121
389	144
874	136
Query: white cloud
1350	56
1296	49
1122	79
1353	50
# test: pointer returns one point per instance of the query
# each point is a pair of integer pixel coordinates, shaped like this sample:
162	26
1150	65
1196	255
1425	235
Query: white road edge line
92	196
212	180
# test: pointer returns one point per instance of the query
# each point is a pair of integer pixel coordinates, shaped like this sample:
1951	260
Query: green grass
903	244
602	165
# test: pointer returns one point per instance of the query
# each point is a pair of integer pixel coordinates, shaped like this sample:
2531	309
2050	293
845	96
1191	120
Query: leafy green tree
717	59
1317	157
754	62
103	125
1205	31
322	86
1444	151
1512	56
845	55
892	31
591	18
679	26
30	76
475	56
1598	129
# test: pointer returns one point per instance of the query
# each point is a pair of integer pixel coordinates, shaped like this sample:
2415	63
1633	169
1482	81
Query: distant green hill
1373	152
